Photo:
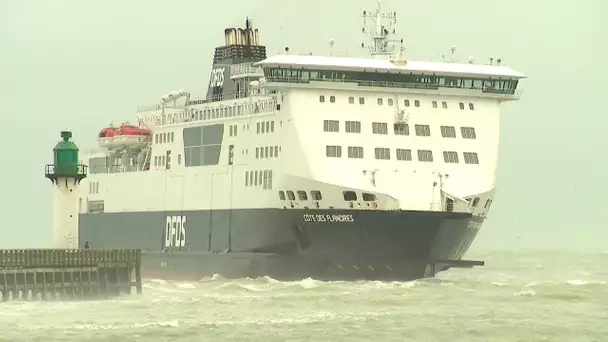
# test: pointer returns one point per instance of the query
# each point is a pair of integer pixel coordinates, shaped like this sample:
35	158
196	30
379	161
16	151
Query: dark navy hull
287	244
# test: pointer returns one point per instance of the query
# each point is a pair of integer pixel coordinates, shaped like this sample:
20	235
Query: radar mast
380	32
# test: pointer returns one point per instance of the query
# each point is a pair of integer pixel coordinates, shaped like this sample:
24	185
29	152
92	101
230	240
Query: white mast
383	27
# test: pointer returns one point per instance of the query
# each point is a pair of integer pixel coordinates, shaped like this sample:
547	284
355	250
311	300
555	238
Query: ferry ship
297	166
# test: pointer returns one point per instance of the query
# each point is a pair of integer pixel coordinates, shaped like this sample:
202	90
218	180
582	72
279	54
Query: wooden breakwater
66	274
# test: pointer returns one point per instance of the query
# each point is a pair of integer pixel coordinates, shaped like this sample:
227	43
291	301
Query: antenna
380	32
453	49
331	47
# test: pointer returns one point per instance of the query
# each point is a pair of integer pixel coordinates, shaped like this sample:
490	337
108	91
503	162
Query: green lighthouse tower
66	175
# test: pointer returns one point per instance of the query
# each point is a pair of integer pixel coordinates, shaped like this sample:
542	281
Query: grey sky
81	64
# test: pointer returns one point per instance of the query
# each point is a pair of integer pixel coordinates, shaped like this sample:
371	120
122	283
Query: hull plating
285	244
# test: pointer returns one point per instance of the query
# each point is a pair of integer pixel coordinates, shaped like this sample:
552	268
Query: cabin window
355	152
382	153
422	130
416	103
322	98
333	151
444	105
379	128
406	103
332	99
434	104
403	154
425	155
468	132
379	102
361	100
351	100
331	126
470	158
448	131
352	126
450	157
475	201
461	105
390	102
401	129
471	106
349	195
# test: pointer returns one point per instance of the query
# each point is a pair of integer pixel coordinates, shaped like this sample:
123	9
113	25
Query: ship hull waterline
288	244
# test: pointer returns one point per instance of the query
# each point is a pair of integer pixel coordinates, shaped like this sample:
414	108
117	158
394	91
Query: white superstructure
381	133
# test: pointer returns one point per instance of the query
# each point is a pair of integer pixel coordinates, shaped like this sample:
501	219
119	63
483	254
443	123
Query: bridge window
316	195
401	129
425	155
403	154
422	130
470	158
302	196
352	126
450	157
333	151
355	152
448	131
382	153
379	128
468	132
282	195
331	126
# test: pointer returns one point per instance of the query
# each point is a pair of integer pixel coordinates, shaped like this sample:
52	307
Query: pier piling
68	274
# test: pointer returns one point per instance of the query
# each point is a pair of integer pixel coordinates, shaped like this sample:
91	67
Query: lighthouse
66	174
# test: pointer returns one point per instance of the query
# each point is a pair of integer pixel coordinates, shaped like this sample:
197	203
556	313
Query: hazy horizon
83	65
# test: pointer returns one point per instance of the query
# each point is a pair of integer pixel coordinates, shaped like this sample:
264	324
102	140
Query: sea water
517	296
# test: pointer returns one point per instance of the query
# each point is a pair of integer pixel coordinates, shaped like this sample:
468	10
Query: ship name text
175	231
342	218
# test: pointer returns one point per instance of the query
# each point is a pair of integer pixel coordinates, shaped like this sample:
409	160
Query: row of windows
315	195
161	138
258	178
384	153
390	102
491	84
265	127
398	129
267	152
231	111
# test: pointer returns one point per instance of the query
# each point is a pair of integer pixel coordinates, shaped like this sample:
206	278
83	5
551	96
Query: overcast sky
82	64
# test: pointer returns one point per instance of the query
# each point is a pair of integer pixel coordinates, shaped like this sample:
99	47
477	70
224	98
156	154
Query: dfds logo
175	231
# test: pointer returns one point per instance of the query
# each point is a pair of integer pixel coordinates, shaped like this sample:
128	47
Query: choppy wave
559	295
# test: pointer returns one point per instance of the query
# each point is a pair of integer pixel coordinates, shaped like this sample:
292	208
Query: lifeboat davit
124	136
